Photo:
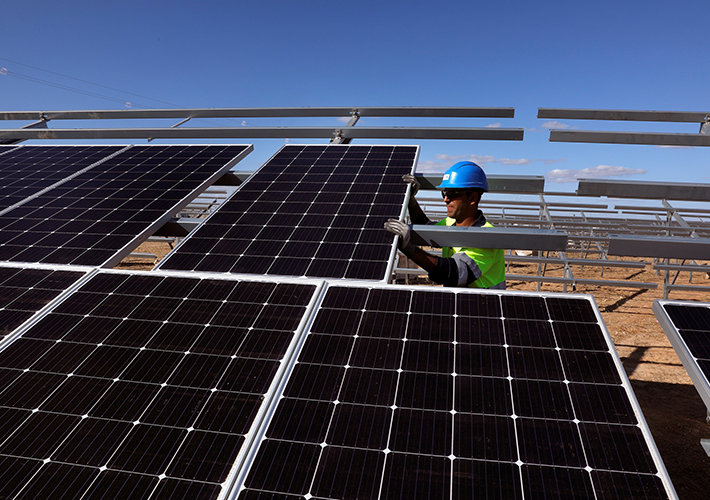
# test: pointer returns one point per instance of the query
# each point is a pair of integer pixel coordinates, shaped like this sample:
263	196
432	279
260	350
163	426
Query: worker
462	187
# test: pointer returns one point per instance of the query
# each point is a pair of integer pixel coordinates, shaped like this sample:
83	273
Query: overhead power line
80	91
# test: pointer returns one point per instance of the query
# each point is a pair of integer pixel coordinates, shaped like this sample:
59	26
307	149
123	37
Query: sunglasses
451	194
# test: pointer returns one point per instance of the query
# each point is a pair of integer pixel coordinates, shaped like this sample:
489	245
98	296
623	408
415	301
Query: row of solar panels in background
146	385
91	205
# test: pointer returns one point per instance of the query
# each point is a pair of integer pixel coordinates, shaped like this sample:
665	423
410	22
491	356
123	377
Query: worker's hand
401	229
412	181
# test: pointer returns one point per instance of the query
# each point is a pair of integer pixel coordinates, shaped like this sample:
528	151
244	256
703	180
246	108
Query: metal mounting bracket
705	126
705	443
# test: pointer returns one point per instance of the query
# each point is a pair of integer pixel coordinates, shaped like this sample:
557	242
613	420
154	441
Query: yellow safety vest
490	261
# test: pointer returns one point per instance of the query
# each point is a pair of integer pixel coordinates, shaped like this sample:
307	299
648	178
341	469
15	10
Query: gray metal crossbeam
42	124
645	138
444	133
488	237
577	262
660	247
293	112
621	114
646	190
582	281
496	183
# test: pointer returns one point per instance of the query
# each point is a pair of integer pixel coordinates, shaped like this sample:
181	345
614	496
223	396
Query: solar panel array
402	393
25	171
23	292
90	218
186	385
315	211
140	385
687	325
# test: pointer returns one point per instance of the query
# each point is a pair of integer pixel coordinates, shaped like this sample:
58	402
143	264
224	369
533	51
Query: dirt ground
672	407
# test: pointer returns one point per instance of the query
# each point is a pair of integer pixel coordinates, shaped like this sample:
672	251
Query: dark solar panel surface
27	170
23	292
314	211
690	336
141	385
88	219
434	394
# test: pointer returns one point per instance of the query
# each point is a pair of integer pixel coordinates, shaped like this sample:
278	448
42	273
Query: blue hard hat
464	175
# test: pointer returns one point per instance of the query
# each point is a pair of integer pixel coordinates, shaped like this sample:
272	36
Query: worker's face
459	203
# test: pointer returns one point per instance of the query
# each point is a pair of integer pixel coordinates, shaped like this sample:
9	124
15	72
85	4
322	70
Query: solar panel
687	325
24	291
99	216
315	211
141	384
410	393
27	170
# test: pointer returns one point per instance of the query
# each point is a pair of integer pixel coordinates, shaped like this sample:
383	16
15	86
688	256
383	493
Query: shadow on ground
675	413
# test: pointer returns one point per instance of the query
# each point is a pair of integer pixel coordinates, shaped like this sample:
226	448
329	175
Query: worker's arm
459	270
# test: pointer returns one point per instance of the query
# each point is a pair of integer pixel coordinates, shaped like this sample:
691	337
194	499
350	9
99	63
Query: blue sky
636	55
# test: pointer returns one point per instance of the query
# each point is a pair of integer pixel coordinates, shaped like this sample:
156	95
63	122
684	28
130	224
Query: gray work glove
412	181
401	229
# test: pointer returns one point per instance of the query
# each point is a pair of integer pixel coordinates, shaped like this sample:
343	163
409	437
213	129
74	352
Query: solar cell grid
313	211
27	170
687	325
23	292
505	409
88	219
122	388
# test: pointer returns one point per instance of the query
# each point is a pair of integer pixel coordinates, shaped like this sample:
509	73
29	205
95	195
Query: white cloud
601	171
494	125
344	119
445	161
244	123
554	124
511	161
430	167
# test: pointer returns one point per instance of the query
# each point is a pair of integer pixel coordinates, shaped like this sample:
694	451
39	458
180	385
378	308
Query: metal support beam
342	140
303	112
705	443
565	281
619	114
579	262
646	190
488	237
176	125
705	126
567	270
41	124
660	247
496	183
443	133
645	138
